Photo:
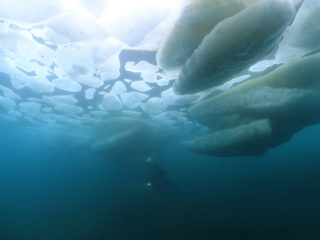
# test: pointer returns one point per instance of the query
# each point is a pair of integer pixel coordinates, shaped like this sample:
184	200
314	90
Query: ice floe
262	113
69	64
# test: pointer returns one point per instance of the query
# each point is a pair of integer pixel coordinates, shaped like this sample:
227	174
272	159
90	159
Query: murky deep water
48	192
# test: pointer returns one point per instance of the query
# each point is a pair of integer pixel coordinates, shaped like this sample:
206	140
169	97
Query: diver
158	179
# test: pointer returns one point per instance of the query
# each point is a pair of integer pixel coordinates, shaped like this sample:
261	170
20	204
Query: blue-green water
105	103
49	193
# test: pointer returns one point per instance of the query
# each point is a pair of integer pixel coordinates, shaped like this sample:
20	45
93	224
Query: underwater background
50	193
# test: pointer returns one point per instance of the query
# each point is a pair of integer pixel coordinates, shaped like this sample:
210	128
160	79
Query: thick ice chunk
197	19
280	97
301	37
248	139
234	45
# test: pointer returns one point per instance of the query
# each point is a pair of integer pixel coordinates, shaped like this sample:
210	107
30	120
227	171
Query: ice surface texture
262	113
240	36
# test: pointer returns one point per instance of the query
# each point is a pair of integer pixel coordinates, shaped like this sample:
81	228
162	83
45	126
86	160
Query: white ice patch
302	37
147	70
135	20
133	99
111	102
104	50
262	65
74	27
140	86
118	87
66	85
110	69
89	93
233	81
154	106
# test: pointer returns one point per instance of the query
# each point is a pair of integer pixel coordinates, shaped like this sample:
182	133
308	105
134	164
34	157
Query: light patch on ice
69	109
262	65
170	118
7	103
154	106
133	99
111	102
59	99
130	21
233	81
75	27
142	66
118	87
147	70
170	98
140	86
104	50
9	93
67	85
110	69
29	11
89	93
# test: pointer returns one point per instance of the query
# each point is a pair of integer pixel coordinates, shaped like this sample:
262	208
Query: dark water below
48	193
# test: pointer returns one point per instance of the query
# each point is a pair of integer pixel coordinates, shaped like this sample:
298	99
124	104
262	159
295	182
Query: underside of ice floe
262	113
71	64
228	38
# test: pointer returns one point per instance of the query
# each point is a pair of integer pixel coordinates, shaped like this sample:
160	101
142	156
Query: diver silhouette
159	180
